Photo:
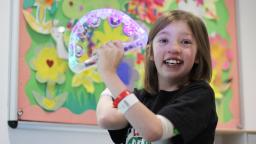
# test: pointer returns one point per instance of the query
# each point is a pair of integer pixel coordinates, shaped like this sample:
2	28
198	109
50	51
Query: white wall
246	23
4	62
247	43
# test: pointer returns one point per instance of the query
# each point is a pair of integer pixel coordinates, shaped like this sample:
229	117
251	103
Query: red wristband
120	97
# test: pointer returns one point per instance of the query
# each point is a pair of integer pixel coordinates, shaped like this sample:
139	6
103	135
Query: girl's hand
109	57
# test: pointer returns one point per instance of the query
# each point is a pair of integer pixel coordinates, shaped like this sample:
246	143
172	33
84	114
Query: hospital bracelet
127	103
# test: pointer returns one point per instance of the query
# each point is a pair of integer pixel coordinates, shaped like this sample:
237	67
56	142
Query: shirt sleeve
190	113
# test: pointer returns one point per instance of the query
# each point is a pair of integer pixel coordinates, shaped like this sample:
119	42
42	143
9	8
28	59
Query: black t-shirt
191	110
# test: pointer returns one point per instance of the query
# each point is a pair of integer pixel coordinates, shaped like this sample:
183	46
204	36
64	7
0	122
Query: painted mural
50	92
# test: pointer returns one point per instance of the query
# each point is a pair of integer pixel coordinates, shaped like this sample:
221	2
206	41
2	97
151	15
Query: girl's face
174	49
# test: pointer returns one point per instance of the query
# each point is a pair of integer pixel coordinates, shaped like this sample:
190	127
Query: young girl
177	104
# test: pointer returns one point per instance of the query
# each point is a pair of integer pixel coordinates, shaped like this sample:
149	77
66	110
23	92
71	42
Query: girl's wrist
106	75
120	97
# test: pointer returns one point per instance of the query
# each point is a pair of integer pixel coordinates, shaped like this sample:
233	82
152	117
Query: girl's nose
174	48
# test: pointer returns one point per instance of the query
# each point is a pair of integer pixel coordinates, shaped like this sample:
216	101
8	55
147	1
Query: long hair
201	70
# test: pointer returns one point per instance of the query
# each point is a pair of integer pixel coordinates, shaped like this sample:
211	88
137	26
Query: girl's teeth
172	61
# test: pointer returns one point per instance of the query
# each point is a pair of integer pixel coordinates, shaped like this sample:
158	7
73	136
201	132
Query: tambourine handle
91	61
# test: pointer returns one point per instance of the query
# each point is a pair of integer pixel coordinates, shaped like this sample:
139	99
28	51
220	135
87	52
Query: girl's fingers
111	44
110	47
118	44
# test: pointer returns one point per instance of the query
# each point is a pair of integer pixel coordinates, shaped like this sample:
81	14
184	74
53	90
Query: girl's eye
163	41
186	42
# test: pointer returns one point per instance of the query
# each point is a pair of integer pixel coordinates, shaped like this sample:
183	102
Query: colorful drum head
82	44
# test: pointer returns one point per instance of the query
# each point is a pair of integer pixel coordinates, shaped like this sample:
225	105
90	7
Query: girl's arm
107	116
139	116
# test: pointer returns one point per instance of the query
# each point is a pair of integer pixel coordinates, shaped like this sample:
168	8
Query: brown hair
201	70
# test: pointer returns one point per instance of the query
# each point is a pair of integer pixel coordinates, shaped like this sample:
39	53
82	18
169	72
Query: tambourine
83	31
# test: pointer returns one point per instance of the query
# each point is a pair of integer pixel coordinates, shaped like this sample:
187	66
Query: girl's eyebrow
186	33
164	33
168	33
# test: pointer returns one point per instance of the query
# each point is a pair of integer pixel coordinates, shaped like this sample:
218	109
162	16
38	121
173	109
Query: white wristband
125	104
